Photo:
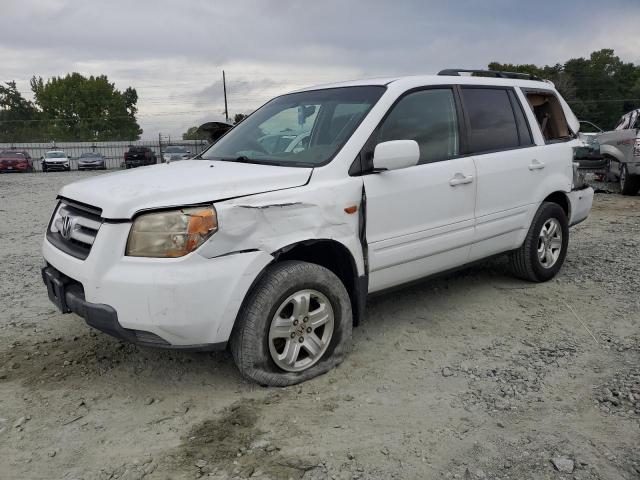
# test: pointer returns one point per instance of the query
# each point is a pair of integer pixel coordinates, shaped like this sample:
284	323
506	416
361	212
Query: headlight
172	233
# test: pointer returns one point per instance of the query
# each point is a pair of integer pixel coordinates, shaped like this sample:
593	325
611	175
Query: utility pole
224	86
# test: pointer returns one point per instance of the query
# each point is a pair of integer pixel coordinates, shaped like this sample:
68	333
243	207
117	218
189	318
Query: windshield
175	150
90	155
299	129
55	155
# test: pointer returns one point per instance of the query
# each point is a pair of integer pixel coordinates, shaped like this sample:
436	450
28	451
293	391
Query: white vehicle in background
273	253
173	153
55	160
621	150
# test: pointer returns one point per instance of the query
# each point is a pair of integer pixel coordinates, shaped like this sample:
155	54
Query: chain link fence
113	152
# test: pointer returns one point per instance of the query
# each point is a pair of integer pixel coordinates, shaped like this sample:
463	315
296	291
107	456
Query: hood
56	160
121	194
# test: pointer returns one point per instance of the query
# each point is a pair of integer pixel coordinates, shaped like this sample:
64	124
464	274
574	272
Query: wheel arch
560	198
337	258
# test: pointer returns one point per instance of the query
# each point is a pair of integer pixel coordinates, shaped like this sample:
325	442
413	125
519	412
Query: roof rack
455	72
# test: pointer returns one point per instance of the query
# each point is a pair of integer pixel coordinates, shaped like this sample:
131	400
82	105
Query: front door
420	219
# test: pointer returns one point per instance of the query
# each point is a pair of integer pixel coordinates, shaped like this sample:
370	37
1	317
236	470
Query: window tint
428	117
491	118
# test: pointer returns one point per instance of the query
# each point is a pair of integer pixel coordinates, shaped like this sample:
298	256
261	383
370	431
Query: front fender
271	221
613	152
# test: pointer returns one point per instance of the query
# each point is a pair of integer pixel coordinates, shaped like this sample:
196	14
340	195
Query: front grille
73	228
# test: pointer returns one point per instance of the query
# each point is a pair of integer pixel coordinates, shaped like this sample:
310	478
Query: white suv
273	251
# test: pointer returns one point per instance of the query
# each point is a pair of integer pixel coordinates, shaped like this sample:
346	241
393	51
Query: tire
526	262
255	351
44	169
629	184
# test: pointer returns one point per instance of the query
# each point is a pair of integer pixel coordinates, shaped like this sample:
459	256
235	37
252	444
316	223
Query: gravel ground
472	375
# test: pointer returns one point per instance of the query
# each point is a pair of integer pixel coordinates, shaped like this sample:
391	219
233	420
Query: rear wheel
629	184
545	247
296	324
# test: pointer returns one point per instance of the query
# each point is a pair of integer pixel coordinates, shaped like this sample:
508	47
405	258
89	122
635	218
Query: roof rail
455	72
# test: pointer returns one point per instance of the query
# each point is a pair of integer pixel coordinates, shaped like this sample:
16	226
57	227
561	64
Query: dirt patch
233	445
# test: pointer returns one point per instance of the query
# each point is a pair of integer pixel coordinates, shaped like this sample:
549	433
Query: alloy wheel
301	330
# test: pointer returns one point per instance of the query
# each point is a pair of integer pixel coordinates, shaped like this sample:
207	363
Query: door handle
536	165
460	179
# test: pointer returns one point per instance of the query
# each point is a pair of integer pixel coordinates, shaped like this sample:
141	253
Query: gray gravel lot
472	375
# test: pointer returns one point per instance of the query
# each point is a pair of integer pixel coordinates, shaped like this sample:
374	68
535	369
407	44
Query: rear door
510	167
420	218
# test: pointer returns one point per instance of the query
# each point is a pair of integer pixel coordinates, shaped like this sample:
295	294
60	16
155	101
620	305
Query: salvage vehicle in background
139	157
55	160
621	151
274	253
15	161
589	155
174	153
92	161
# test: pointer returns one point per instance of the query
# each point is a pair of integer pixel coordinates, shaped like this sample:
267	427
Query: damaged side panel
271	221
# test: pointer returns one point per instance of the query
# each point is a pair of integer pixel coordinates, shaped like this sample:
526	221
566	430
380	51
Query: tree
600	88
19	118
193	133
76	107
238	117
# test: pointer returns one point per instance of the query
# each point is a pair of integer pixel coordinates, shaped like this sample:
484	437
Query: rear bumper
581	201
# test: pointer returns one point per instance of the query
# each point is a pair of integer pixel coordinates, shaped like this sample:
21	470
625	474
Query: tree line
69	108
599	89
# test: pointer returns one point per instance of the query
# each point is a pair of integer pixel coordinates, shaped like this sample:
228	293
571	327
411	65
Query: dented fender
271	221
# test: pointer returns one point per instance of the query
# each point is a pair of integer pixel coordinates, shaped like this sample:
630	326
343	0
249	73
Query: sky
173	52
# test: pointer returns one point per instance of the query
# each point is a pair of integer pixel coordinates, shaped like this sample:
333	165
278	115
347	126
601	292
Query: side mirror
396	154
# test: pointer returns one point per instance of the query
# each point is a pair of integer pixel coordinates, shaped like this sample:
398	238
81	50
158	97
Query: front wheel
295	324
629	184
545	247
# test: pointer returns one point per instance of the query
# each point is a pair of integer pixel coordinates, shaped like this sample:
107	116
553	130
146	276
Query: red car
15	161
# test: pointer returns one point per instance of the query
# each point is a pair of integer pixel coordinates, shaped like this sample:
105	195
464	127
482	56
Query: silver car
621	149
92	161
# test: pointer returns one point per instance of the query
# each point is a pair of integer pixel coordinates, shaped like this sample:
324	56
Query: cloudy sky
173	52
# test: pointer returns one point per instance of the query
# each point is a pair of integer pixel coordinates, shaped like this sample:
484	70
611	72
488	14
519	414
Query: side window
524	132
492	121
428	117
550	116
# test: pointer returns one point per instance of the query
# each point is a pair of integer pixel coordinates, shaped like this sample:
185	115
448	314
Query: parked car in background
15	161
274	253
55	160
621	151
173	153
139	157
92	161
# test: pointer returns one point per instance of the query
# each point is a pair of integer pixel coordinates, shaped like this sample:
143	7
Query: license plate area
56	288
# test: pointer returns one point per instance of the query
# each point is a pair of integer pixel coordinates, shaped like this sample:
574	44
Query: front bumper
580	201
68	296
91	166
633	168
56	166
186	302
